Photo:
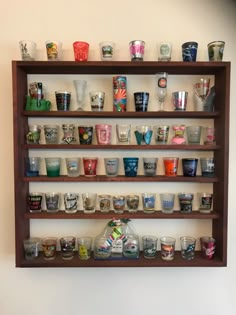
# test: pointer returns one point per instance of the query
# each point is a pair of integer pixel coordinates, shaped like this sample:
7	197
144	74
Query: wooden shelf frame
221	73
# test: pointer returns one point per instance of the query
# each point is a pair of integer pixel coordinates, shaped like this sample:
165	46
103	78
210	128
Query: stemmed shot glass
161	78
80	87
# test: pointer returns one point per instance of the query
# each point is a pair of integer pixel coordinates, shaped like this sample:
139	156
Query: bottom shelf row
117	246
178	261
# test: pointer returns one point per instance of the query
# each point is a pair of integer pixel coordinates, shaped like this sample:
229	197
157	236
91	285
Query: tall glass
80	88
161	78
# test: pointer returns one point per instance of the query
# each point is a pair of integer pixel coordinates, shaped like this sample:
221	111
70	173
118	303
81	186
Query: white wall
128	290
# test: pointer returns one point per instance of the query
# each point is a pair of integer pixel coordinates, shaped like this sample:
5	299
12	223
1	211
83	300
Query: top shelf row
120	67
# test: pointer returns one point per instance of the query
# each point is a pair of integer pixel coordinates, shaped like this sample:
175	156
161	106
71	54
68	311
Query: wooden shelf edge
120	178
183	147
117	67
178	261
110	114
139	215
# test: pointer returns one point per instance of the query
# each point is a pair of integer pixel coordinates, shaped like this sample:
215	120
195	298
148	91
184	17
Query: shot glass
150	166
131	166
185	202
132	203
207	166
164	51
187	247
49	247
167	202
209	135
141	101
171	166
179	100
90	166
53	50
149	202
136	48
103	133
33	135
31	248
81	50
194	134
208	245
123	134
51	133
104	203
68	134
85	134
107	50
63	100
97	100
118	203
67	247
131	246
111	166
216	50
28	50
53	165
35	200
143	134
52	200
71	201
84	247
72	166
189	166
167	248
161	134
89	202
102	249
189	51
149	246
32	166
205	202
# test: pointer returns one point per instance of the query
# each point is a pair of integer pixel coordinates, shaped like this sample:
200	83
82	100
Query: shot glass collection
85	248
52	202
131	166
89	202
103	134
136	49
203	96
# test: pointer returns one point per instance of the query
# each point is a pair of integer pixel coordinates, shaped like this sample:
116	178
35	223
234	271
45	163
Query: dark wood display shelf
120	178
139	215
178	261
219	184
121	67
115	115
172	147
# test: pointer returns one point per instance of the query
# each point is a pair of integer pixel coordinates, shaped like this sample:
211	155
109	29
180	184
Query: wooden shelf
184	147
178	261
220	117
120	178
115	115
138	215
118	67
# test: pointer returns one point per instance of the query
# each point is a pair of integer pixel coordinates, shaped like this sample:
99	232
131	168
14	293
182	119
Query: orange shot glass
171	165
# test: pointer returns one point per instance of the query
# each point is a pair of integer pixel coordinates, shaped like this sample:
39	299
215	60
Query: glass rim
216	41
167	239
